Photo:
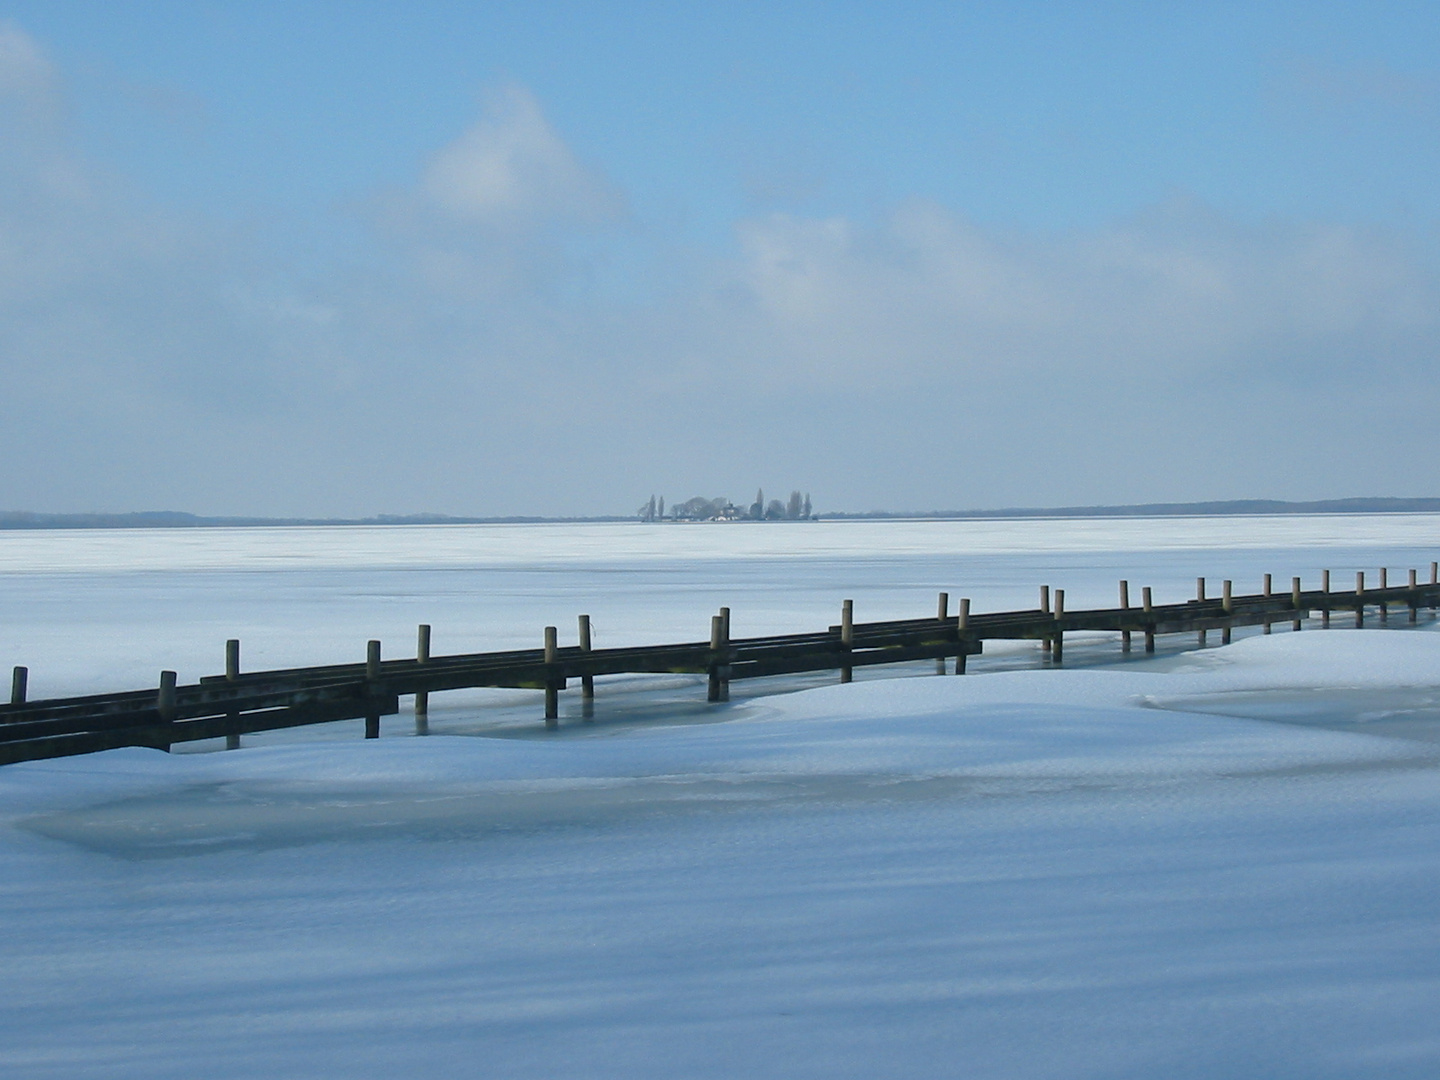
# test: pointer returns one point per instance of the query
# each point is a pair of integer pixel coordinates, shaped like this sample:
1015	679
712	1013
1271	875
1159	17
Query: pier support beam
1124	606
962	632
422	697
1057	651
943	615
1045	607
372	676
847	636
725	654
719	668
165	706
552	684
1227	604
232	672
1147	604
19	681
1200	636
587	682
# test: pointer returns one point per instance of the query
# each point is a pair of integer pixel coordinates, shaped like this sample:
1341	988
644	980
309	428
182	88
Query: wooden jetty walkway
235	703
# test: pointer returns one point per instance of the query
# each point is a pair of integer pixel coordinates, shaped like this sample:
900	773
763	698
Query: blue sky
579	246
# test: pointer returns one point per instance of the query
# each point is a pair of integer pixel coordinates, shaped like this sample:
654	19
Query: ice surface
1030	873
92	610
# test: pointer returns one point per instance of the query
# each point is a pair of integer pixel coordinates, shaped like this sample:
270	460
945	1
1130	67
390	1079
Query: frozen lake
1208	863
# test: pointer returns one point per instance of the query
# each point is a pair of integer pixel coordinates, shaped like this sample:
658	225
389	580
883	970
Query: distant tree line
796	508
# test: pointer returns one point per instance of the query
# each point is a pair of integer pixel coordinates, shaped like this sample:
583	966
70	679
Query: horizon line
161	519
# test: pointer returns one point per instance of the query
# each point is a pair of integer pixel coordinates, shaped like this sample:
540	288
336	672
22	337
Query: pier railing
239	703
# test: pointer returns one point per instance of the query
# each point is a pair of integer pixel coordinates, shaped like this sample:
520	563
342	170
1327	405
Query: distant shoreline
166	519
1225	508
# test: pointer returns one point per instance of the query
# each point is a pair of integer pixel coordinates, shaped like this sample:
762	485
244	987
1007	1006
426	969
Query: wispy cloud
1174	291
511	169
1330	90
26	73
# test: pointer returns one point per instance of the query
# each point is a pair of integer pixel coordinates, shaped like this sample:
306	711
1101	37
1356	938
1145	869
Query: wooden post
1057	651
1325	590
1227	604
725	654
1266	592
716	633
19	681
165	706
962	632
1384	604
422	697
1413	603
1295	603
1360	598
372	676
587	682
943	614
1200	637
232	672
1434	580
1124	606
719	668
847	635
1146	604
1045	607
552	687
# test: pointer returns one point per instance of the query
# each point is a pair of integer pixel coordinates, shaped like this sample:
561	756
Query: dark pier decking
235	703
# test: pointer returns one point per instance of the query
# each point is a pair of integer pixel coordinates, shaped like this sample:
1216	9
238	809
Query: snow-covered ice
1109	872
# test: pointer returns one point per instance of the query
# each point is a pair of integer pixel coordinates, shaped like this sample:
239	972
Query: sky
342	259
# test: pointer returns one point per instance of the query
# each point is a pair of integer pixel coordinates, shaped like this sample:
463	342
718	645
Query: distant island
701	509
796	508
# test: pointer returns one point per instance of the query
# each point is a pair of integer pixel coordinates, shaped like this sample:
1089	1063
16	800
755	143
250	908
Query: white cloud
512	169
1174	291
25	72
1329	88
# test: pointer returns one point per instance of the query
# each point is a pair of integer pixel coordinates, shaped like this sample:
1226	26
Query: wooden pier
237	703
